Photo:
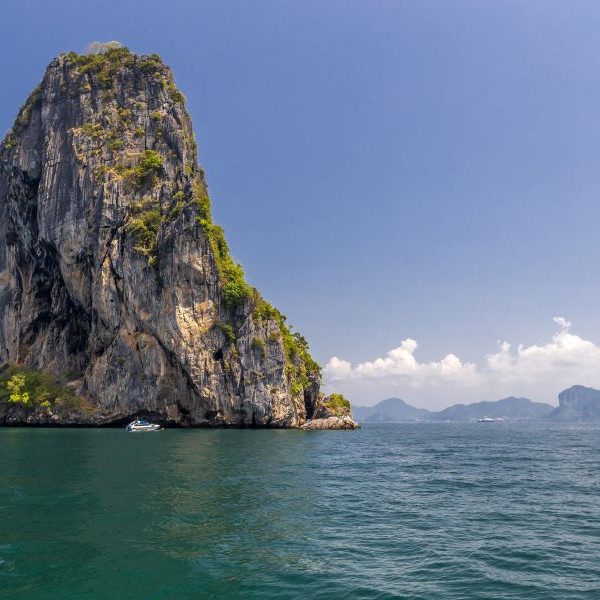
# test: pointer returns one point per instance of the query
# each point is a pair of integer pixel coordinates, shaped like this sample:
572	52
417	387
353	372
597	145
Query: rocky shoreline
330	414
345	422
52	420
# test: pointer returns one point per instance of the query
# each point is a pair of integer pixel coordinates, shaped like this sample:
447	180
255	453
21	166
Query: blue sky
385	170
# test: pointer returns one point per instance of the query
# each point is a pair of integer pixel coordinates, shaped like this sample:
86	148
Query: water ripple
421	511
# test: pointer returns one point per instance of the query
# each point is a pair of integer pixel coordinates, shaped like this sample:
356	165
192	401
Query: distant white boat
142	425
486	420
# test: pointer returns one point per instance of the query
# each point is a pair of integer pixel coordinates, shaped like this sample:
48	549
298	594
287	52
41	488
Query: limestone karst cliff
113	277
577	404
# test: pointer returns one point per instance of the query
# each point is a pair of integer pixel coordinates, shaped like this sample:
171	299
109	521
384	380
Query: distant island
577	404
118	294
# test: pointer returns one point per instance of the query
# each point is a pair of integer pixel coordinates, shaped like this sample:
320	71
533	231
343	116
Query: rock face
331	412
579	404
112	270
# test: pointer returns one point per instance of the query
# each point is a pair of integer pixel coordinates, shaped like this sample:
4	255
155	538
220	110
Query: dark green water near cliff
405	511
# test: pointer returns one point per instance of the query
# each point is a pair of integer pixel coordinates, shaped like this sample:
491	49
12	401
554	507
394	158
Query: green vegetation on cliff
23	118
235	289
104	61
33	389
301	368
145	173
337	405
103	65
144	223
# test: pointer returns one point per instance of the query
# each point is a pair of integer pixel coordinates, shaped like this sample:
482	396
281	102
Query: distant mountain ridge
395	410
392	410
577	404
506	408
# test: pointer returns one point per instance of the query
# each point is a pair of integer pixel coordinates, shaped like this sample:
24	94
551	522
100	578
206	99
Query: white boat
486	420
143	425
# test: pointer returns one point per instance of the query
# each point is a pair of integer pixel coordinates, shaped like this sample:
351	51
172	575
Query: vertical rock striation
112	270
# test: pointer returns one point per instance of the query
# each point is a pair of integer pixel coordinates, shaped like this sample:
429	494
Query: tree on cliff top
102	47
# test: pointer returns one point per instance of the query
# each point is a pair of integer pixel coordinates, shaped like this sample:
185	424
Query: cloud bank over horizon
538	372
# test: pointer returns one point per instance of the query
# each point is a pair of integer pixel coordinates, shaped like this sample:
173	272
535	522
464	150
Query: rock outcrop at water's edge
331	412
331	423
113	277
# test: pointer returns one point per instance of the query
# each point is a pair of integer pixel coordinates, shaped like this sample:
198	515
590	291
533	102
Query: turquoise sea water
391	511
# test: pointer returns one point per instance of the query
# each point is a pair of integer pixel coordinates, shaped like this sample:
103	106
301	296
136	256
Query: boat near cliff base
142	425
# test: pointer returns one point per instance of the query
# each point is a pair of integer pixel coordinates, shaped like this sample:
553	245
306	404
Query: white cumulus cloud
338	369
566	354
401	363
539	371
